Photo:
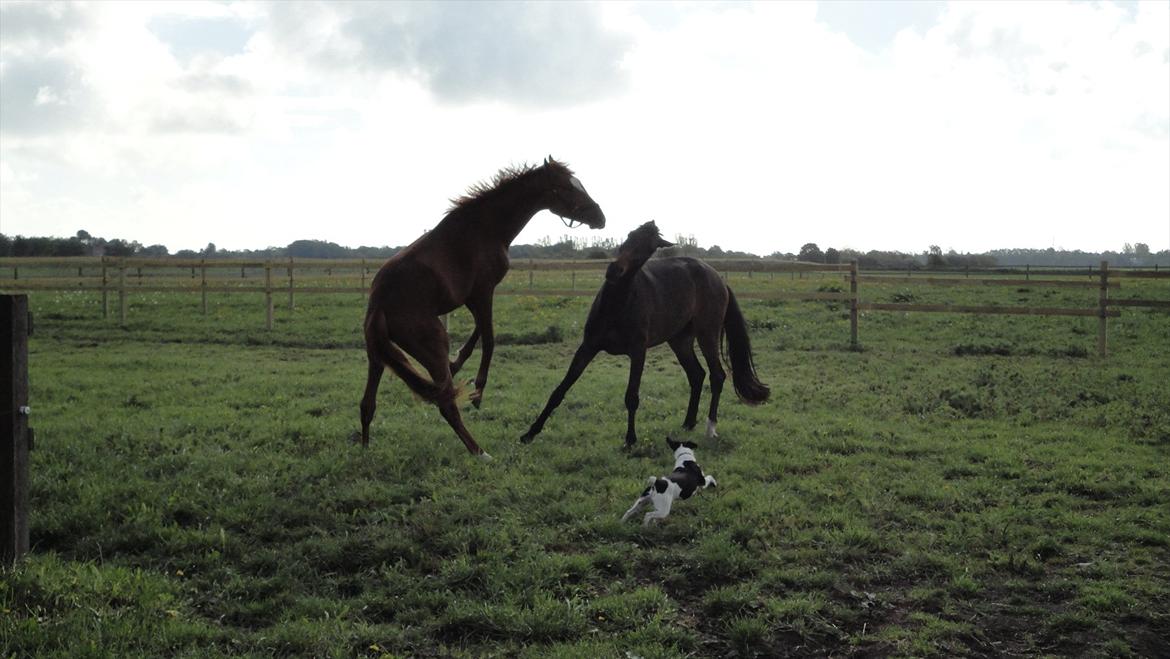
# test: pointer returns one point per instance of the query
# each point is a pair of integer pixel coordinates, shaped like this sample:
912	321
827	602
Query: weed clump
980	349
551	334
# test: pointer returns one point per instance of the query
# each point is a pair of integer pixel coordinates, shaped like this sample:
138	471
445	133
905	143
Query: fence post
105	291
853	304
363	274
290	283
529	273
15	435
1102	305
573	280
203	283
122	294
268	293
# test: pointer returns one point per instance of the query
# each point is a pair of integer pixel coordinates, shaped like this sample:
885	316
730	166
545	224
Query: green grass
963	485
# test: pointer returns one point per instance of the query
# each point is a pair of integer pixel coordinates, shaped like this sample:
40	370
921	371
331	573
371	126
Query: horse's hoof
477	398
527	438
711	434
484	457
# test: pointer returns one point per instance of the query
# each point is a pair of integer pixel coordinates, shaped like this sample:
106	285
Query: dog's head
681	448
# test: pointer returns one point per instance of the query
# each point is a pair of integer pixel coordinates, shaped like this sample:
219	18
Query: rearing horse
672	300
459	262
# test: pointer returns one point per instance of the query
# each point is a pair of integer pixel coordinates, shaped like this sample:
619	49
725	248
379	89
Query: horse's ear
664	243
548	159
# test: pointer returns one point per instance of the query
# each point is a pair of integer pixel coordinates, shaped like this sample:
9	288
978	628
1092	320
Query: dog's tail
739	348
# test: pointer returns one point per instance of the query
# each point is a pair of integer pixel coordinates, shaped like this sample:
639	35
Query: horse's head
640	244
567	197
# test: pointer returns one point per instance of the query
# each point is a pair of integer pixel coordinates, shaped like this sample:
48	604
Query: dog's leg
661	510
638	504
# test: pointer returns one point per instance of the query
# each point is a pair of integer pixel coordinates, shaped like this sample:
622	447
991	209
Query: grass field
963	485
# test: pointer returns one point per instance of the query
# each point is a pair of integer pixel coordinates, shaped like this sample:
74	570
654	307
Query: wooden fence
123	277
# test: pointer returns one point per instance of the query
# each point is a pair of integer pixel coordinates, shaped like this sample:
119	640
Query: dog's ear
690	445
660	485
673	444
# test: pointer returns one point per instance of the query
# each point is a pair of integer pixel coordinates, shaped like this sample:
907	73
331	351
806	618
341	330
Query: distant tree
119	247
155	250
934	257
1141	250
832	256
315	249
811	253
209	250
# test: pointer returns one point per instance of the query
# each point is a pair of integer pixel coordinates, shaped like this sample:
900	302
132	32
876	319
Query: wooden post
290	283
853	305
122	294
529	273
203	283
105	291
1102	307
15	435
1027	273
363	273
573	280
268	293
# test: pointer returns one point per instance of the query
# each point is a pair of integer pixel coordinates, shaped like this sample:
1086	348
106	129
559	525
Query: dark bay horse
459	262
671	300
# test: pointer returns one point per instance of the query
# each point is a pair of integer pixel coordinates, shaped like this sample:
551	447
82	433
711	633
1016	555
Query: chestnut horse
459	262
670	300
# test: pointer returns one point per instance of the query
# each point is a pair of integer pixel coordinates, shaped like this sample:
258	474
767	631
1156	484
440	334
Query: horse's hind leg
709	344
683	346
429	346
370	398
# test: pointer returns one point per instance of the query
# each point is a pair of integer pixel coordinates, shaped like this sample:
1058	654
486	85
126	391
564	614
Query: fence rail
125	276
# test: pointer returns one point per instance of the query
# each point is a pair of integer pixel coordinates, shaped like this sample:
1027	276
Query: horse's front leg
581	359
637	363
465	351
481	310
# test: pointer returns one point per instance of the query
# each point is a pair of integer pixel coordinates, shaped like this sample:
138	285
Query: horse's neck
615	295
499	219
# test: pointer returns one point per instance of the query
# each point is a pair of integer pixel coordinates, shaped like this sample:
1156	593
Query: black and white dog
681	483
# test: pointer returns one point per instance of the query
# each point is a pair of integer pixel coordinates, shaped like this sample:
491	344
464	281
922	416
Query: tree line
573	247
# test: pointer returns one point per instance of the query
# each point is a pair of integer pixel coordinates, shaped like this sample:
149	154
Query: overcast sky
752	126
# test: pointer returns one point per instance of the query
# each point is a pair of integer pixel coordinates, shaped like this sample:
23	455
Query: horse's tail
739	347
379	345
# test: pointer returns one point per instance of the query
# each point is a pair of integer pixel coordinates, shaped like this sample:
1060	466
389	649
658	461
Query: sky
756	127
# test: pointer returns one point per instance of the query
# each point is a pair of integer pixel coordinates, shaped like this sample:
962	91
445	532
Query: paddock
957	484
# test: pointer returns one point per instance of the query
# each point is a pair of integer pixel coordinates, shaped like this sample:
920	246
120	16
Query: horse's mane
501	181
